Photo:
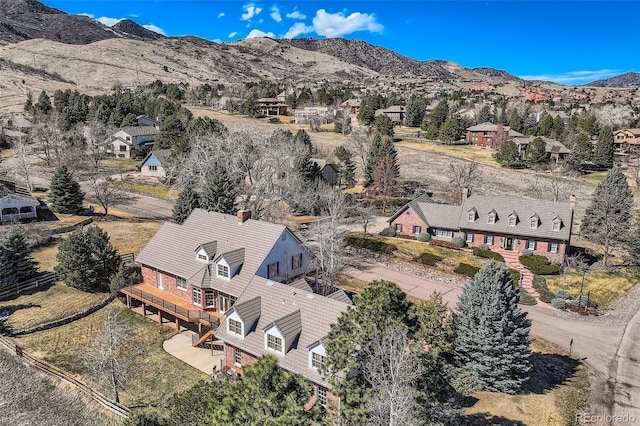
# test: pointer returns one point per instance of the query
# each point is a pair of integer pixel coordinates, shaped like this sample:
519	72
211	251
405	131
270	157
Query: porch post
144	309
178	324
128	301
160	316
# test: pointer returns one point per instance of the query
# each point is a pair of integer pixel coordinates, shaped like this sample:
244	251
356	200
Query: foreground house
155	164
490	135
502	223
131	141
16	203
194	272
285	321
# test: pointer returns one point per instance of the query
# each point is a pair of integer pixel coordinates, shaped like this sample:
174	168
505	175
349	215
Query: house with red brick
289	322
490	135
504	224
194	272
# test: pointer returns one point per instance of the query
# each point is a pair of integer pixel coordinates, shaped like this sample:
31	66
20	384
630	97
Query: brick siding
408	219
246	358
520	244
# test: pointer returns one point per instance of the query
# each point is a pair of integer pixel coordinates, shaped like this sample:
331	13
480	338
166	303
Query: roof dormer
242	318
534	221
207	251
492	217
280	335
556	223
472	215
228	264
317	354
513	218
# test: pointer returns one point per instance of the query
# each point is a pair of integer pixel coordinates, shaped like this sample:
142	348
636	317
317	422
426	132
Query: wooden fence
44	280
108	404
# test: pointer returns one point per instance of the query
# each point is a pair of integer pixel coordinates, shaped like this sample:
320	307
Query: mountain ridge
628	79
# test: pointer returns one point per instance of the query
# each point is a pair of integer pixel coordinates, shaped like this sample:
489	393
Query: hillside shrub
526	298
515	274
540	284
424	237
539	265
526	252
559	303
484	247
388	232
488	254
445	244
578	301
459	241
370	244
406	237
466	270
563	294
428	259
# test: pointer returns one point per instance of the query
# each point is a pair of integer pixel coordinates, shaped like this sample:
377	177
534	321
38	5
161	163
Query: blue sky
569	42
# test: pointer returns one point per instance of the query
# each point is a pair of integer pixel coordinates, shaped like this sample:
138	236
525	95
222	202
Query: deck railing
192	315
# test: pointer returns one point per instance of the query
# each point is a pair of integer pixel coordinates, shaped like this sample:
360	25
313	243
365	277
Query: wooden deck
173	305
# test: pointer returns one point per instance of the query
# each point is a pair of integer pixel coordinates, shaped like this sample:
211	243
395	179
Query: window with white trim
469	237
322	395
209	299
553	248
235	326
181	283
534	223
398	227
223	271
202	256
237	356
555	226
317	360
444	233
488	239
417	229
274	343
531	244
512	220
491	218
196	296
471	217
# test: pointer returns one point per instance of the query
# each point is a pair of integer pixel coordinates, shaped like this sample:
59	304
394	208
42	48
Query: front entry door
508	244
224	303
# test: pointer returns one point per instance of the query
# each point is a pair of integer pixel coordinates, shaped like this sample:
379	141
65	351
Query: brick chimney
572	201
465	194
243	215
500	137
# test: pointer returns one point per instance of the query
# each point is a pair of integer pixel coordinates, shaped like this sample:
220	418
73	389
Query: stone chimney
572	201
243	215
465	194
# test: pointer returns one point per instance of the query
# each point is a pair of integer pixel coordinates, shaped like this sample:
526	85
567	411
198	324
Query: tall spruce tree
492	331
604	150
18	254
187	201
219	193
415	112
7	271
87	260
633	246
347	168
64	192
508	155
380	146
536	152
606	221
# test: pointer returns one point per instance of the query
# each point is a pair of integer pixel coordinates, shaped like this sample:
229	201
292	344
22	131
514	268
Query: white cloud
296	15
217	40
154	28
250	10
132	15
220	15
233	34
297	29
257	33
109	22
574	77
337	24
275	14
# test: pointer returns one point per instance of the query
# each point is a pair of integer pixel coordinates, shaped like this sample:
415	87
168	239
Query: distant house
16	203
301	115
328	171
505	224
627	140
131	141
271	106
352	106
282	96
490	135
395	112
556	151
155	164
146	121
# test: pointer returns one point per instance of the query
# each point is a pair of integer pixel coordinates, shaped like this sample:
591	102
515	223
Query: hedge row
539	265
446	244
488	254
370	244
428	259
466	270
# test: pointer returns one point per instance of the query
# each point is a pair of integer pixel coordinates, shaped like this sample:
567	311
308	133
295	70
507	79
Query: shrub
370	244
424	237
578	301
274	120
526	298
559	303
563	294
539	265
446	244
406	237
466	270
484	247
388	232
540	284
526	253
459	241
428	259
488	254
515	274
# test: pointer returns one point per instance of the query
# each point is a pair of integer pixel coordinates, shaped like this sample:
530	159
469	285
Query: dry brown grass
55	303
129	236
555	407
603	287
46	257
118	165
466	152
155	375
149	189
417	247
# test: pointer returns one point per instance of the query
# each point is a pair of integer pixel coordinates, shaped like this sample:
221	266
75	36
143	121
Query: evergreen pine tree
43	105
380	146
188	199
347	169
219	193
303	137
536	151
606	221
415	111
7	271
604	150
508	155
633	246
492	331
18	254
64	192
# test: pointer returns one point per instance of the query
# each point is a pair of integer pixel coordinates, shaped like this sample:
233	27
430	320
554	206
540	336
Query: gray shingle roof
525	209
290	325
161	154
278	301
171	249
300	284
424	198
139	130
234	258
340	295
490	127
551	145
440	215
248	311
209	248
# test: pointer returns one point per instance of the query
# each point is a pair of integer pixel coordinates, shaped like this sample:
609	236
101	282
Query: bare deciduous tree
97	134
112	352
393	372
107	193
359	143
385	179
550	185
22	162
463	175
47	137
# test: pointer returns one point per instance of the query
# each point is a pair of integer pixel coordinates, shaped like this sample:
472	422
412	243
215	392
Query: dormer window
513	219
555	226
223	271
235	326
317	360
535	221
274	343
471	217
493	216
202	256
